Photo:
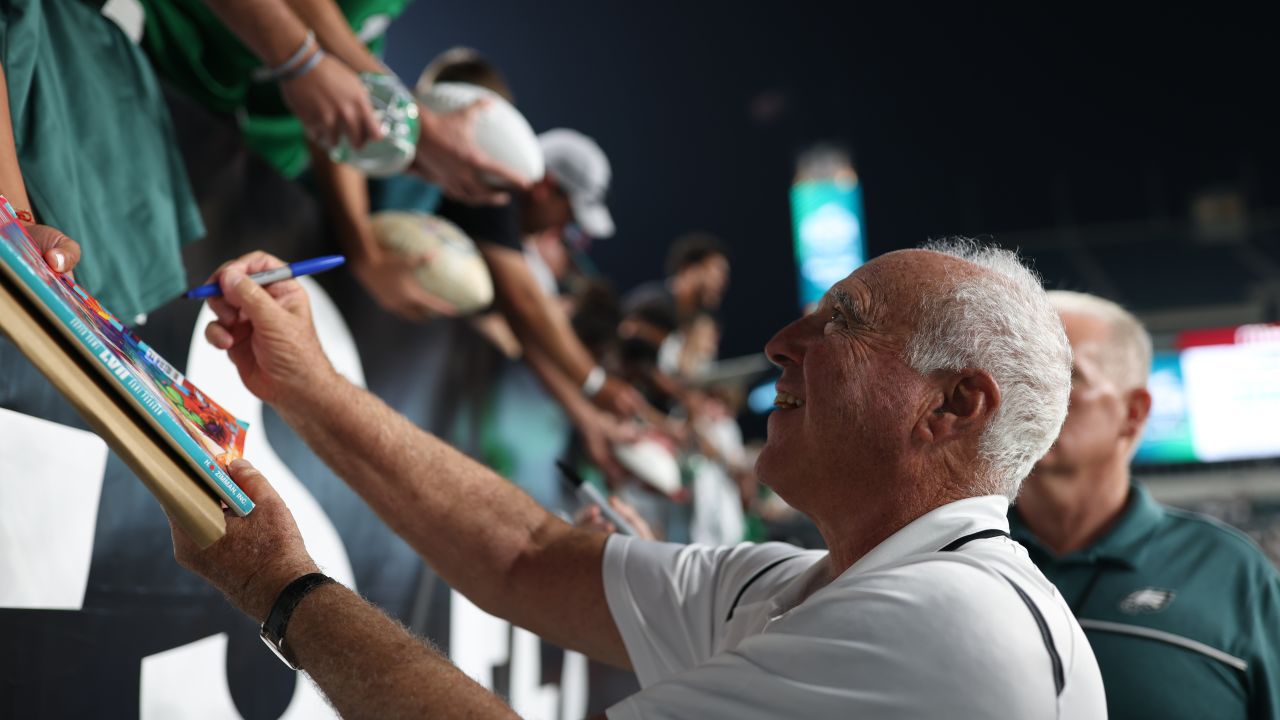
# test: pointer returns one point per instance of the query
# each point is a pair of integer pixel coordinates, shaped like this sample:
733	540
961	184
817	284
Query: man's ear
1137	407
964	404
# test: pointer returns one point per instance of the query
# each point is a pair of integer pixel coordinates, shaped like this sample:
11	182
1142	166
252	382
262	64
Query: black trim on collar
980	535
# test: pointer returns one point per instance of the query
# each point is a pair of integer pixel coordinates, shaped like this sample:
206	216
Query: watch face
277	649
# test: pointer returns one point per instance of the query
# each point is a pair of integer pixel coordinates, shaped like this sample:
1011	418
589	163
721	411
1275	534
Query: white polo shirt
906	632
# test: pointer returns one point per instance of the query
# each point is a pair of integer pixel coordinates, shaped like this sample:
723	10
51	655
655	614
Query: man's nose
787	346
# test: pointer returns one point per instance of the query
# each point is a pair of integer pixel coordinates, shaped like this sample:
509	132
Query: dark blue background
964	119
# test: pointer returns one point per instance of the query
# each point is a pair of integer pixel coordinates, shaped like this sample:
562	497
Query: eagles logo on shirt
1146	600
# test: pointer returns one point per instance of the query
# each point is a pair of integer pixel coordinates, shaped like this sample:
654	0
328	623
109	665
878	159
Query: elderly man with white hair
911	405
1182	611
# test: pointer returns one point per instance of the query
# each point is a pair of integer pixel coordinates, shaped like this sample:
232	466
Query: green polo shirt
1182	611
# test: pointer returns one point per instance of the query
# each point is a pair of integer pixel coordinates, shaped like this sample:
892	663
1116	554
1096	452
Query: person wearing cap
536	217
571	192
898	435
1182	611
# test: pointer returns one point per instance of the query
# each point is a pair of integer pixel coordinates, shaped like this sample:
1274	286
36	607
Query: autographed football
455	272
500	130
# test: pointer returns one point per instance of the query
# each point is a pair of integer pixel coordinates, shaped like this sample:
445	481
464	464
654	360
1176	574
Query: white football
456	271
652	463
500	130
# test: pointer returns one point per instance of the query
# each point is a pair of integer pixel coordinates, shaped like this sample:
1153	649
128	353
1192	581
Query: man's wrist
275	627
260	593
315	393
277	69
428	132
365	252
307	66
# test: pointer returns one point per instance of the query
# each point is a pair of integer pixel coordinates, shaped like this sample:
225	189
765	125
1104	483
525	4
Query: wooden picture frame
184	496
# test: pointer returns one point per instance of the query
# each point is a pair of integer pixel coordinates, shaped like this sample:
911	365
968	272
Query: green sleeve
1264	667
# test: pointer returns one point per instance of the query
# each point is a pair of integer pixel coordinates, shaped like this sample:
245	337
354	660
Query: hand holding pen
594	501
266	277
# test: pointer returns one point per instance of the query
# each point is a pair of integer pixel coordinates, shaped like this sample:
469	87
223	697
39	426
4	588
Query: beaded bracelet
290	63
304	68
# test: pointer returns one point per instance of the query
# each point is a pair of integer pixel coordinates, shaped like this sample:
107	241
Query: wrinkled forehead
890	288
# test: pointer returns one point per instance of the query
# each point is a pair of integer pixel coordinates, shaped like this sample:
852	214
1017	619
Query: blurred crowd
625	387
612	406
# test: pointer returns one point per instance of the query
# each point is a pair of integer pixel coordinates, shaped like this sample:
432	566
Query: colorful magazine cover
165	394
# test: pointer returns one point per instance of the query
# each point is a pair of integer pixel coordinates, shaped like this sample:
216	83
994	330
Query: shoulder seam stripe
1055	660
1167	637
756	577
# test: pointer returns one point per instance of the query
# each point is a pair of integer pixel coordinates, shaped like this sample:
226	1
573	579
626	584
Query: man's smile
785	400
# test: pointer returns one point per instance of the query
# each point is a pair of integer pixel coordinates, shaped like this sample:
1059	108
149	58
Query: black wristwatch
278	619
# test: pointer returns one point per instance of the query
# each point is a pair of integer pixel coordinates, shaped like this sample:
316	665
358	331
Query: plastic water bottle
397	113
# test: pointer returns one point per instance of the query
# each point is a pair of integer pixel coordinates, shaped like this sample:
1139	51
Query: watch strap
277	622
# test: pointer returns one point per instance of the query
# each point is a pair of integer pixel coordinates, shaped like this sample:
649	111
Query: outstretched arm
333	31
388	277
540	323
11	184
596	428
367	664
484	536
61	252
330	100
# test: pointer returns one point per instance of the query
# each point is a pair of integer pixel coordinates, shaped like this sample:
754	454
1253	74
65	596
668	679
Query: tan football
456	272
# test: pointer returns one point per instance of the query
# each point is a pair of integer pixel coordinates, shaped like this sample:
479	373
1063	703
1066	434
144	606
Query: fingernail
240	464
59	260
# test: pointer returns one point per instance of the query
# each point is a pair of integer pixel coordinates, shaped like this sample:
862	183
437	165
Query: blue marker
266	277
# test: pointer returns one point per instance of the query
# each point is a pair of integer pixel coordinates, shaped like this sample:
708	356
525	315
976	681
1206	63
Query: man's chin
1046	470
772	468
765	464
1051	462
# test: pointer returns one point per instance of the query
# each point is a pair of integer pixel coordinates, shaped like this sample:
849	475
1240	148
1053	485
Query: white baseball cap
582	171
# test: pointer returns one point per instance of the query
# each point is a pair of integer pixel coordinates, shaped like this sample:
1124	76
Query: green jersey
193	50
98	153
1182	611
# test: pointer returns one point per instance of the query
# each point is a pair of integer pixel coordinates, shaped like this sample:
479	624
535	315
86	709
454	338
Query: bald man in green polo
1182	611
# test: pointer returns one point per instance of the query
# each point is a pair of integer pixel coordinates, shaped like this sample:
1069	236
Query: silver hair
1126	359
999	321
